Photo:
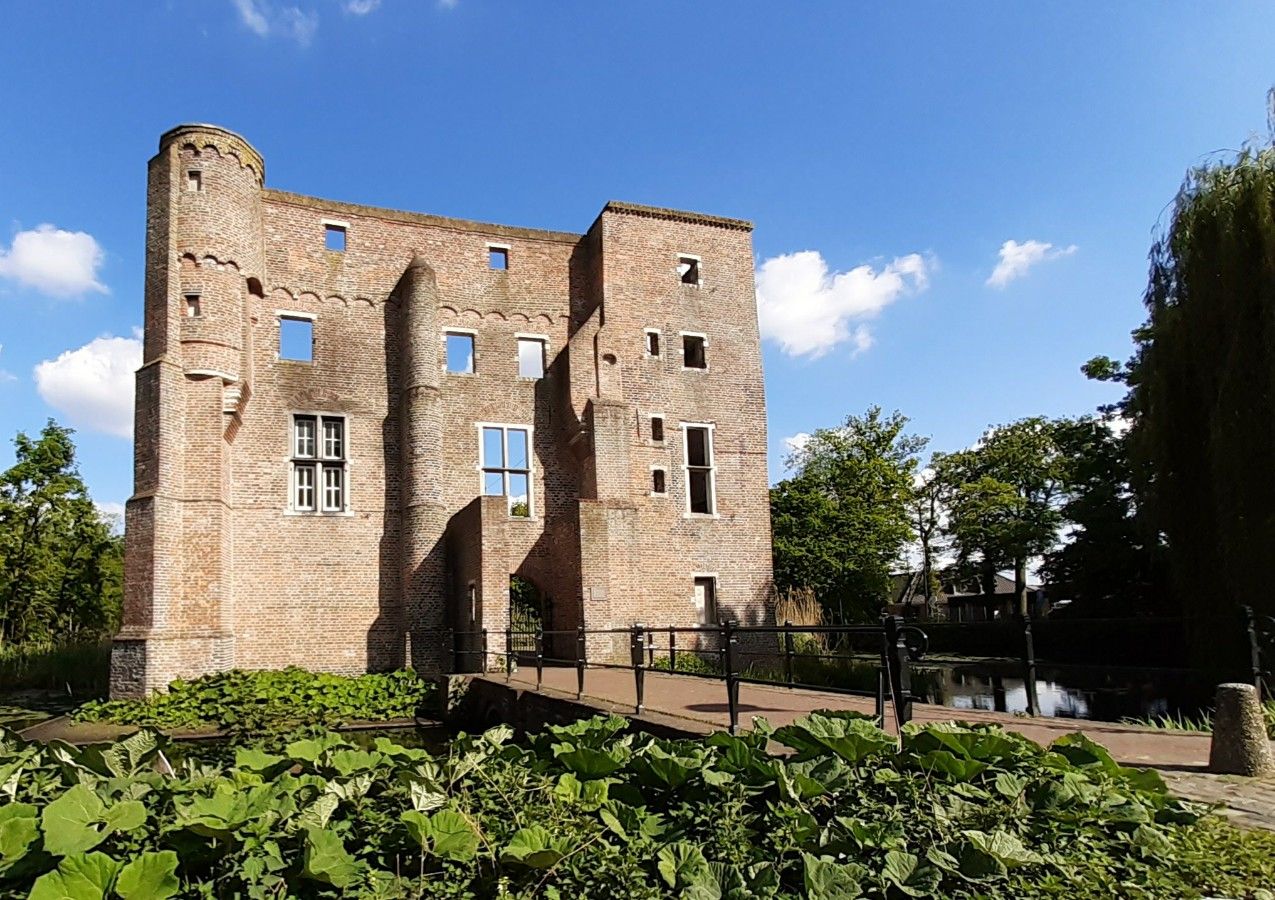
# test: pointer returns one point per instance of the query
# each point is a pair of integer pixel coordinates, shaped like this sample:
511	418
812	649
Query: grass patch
1202	722
258	701
79	669
588	811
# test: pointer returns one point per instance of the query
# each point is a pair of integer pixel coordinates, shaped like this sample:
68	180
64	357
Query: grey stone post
1240	745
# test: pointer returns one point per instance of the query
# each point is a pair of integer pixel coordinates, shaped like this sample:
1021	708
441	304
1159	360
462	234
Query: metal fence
733	650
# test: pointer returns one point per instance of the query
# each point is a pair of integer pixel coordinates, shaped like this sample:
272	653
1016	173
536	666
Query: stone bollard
1240	745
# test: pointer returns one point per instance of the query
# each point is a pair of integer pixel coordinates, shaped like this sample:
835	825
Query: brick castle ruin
355	425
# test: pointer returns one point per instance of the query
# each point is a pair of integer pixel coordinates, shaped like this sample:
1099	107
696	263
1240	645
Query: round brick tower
204	257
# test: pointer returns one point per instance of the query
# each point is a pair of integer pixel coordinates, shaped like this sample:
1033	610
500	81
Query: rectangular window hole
296	339
688	269
195	180
460	353
193	308
334	238
657	429
705	600
652	343
531	358
693	352
658	482
498	258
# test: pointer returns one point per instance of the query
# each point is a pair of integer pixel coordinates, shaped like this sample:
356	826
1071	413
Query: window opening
531	358
688	269
318	463
657	429
193	308
498	258
659	481
652	343
460	353
705	600
699	470
194	180
296	339
334	237
506	465
694	354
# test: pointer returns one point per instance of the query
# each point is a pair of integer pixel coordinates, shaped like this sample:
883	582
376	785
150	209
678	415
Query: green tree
1002	500
841	521
60	566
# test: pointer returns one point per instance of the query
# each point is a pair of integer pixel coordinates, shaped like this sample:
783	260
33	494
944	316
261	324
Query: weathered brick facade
224	565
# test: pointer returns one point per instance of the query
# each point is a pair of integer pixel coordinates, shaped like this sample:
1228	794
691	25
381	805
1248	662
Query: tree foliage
60	566
841	521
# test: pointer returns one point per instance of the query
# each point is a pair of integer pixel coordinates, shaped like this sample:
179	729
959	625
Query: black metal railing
742	654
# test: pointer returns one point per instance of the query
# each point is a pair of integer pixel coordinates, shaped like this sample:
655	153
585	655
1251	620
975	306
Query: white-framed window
194	307
694	350
459	352
334	235
688	269
652	341
296	335
504	458
659	481
498	257
701	471
194	181
318	463
532	350
704	598
657	428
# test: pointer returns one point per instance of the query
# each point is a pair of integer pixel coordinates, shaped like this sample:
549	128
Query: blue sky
887	155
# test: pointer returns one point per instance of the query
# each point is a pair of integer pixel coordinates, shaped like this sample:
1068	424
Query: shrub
254	701
80	668
587	811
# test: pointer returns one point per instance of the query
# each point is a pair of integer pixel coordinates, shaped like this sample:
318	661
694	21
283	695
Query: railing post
1029	662
540	655
638	656
880	709
788	649
732	677
509	652
896	651
580	661
1256	664
483	668
672	649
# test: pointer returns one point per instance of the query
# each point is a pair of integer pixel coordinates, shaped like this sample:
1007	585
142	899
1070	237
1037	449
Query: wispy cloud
265	19
5	375
808	310
448	4
361	7
54	262
93	385
1016	259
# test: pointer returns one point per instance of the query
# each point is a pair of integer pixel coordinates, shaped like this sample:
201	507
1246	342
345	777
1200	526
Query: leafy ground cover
588	811
259	701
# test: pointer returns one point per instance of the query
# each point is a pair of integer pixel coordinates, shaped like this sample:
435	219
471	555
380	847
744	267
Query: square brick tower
363	435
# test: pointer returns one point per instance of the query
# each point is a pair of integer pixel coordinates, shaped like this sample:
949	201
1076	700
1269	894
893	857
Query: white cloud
93	385
361	7
808	310
448	4
55	262
1016	259
797	442
113	513
264	18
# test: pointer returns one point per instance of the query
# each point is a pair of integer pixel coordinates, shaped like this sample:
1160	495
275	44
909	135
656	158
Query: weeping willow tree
1202	385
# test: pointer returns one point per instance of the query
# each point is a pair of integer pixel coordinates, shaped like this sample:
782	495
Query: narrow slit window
688	269
498	258
705	600
694	352
460	353
700	488
194	181
296	339
334	238
659	483
193	307
657	429
652	343
531	358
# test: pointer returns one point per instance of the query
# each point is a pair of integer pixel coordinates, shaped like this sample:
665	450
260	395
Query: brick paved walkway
1180	756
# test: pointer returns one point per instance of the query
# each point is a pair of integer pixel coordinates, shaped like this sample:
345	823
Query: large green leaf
827	879
991	855
150	876
982	743
18	830
454	835
326	860
853	738
657	768
588	762
534	847
956	768
71	822
82	876
908	875
684	868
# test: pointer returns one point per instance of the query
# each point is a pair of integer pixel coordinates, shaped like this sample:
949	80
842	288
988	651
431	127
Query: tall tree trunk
1020	586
